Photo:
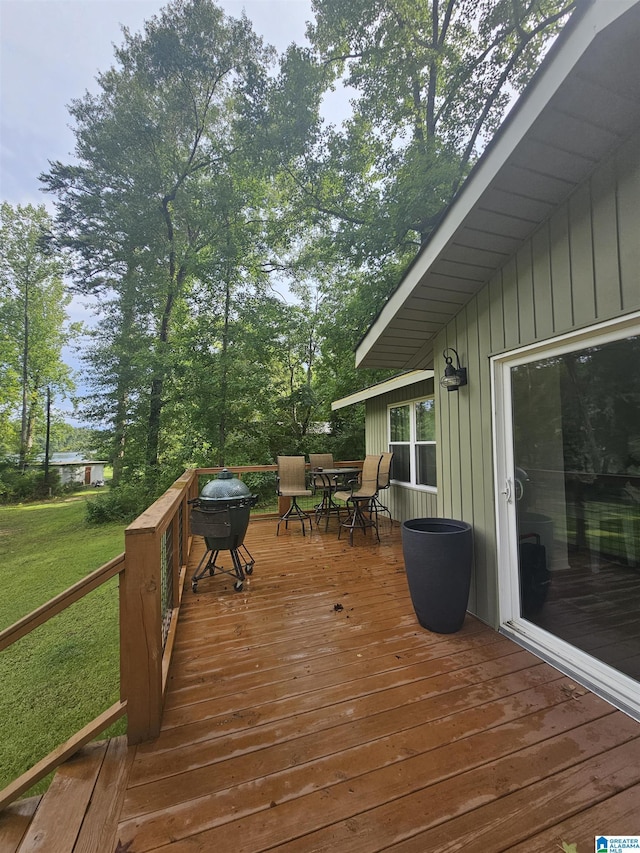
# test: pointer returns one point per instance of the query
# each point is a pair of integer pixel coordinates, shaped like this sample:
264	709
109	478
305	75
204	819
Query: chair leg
326	508
323	508
379	507
338	511
372	521
357	519
295	512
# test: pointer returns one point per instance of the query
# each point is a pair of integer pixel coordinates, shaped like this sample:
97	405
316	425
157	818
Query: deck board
61	813
15	821
311	712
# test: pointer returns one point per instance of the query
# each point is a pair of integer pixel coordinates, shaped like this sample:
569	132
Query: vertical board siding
477	318
581	254
605	243
560	271
469	461
526	304
496	314
449	402
466	414
627	195
509	300
541	272
486	566
580	267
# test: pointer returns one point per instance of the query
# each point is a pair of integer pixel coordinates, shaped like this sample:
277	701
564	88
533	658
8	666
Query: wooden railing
91	730
151	576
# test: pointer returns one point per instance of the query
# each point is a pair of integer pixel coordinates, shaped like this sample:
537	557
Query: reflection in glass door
576	454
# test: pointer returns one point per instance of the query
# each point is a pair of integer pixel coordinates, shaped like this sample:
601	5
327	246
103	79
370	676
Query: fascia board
383	388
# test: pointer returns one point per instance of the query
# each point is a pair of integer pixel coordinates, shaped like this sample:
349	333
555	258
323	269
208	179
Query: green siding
628	193
541	271
560	271
579	268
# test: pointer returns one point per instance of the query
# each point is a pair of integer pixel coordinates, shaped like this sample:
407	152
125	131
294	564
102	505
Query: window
412	438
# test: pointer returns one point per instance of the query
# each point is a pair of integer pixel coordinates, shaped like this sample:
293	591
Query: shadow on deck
311	712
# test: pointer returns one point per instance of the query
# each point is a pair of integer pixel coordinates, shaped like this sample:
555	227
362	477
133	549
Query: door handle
507	490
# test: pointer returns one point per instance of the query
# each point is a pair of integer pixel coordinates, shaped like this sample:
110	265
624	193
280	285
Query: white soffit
383	388
582	104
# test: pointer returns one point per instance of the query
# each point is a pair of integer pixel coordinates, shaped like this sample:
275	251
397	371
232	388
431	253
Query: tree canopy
34	326
238	245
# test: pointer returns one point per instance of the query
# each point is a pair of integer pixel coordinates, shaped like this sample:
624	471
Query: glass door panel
576	452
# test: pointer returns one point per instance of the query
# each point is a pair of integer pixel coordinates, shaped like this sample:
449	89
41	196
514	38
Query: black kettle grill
221	515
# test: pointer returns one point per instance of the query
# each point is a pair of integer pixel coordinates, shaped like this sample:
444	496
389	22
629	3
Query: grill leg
249	562
206	564
242	561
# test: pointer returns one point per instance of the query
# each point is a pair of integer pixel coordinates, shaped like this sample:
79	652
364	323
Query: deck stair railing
151	575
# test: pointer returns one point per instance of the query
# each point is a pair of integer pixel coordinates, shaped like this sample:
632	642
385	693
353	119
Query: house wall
71	474
97	473
404	502
76	473
580	267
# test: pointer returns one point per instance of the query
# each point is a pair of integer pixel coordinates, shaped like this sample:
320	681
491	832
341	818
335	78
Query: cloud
51	53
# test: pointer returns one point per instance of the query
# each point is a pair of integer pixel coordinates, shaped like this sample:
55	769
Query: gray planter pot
438	553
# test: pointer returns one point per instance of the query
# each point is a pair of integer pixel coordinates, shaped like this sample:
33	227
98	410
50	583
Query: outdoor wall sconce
454	377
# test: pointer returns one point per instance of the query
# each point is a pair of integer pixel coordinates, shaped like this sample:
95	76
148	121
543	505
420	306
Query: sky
50	54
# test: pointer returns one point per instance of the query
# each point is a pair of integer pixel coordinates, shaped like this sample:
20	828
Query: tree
202	179
33	299
135	211
431	83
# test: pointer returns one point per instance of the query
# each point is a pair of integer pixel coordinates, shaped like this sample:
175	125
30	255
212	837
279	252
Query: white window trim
412	443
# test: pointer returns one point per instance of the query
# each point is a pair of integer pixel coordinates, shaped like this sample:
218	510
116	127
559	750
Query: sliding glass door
568	477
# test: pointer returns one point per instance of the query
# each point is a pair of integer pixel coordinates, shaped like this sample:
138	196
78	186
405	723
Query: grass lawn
66	672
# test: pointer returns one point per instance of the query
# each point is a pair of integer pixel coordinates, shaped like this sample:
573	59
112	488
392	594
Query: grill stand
242	560
223	523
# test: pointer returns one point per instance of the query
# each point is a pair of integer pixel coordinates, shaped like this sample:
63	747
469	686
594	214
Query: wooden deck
311	712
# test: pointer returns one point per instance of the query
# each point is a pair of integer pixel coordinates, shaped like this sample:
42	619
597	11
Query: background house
533	276
75	468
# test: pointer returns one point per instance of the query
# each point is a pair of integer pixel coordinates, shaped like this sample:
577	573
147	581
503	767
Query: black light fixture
454	377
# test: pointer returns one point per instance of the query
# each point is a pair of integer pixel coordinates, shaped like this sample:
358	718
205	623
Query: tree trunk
119	437
153	433
175	279
222	431
48	439
24	426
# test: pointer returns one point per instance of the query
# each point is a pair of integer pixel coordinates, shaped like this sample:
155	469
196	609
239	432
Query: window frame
412	443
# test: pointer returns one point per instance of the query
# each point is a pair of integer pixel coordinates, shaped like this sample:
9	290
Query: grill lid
225	487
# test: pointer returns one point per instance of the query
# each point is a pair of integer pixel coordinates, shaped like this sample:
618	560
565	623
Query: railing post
141	635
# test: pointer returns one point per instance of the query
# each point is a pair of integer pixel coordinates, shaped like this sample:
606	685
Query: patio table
330	480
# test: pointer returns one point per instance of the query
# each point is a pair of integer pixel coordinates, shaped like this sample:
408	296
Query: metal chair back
384	472
292	484
369	478
292	476
321	460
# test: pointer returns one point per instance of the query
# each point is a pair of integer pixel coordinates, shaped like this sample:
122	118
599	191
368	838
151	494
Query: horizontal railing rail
74	593
93	729
151	575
